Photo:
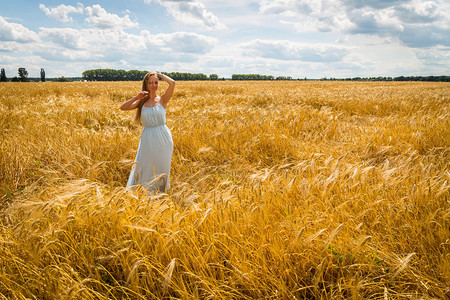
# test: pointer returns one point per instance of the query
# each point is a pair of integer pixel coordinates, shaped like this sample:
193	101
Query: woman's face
152	83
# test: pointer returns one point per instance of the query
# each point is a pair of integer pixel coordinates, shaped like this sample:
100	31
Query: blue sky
298	38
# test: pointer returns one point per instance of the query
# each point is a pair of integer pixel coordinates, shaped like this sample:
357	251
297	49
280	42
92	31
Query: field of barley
279	190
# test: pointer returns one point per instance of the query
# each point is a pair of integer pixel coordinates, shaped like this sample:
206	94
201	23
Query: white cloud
376	4
100	18
286	50
95	15
113	39
425	9
436	60
6	59
87	44
191	12
418	23
309	15
68	37
94	39
61	12
16	32
186	42
10	47
368	20
60	54
379	56
289	7
116	45
422	36
419	11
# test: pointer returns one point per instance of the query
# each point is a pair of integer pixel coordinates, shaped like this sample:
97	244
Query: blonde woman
154	155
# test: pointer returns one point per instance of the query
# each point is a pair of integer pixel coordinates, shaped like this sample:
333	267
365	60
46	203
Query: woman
152	164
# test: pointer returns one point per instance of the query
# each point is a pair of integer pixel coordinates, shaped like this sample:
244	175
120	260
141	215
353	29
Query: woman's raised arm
169	92
133	102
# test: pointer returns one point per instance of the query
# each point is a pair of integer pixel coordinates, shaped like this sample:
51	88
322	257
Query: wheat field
279	190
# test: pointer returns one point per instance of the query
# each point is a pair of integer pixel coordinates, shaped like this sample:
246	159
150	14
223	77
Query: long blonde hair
137	117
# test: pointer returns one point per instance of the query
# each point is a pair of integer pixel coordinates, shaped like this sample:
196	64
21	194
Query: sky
297	38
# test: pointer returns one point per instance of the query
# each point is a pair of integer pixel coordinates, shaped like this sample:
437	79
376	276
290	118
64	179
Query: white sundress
151	167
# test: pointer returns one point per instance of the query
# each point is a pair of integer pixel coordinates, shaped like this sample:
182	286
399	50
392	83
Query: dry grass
280	190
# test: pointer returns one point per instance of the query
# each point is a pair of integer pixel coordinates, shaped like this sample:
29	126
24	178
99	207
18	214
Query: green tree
135	75
61	79
42	75
3	76
251	77
23	74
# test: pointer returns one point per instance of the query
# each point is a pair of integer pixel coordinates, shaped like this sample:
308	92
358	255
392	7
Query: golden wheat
280	190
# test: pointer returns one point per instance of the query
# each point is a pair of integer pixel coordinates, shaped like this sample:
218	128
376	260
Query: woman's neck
152	94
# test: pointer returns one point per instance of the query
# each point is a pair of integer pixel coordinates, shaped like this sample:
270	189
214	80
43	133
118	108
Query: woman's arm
133	102
169	92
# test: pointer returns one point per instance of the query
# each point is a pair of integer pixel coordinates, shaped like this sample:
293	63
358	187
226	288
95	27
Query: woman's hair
137	117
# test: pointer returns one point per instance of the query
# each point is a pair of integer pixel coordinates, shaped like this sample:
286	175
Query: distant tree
42	75
3	76
15	79
186	76
251	77
113	75
135	75
283	78
61	79
23	74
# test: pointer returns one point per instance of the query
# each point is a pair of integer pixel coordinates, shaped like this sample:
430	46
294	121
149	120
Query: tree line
23	76
136	75
113	75
441	78
259	77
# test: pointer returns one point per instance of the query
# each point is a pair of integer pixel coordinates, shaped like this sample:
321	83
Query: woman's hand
141	95
134	102
164	99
